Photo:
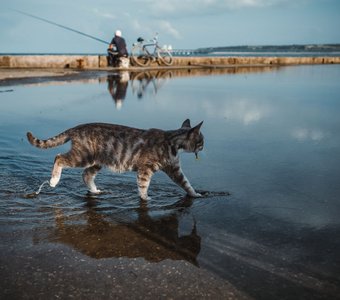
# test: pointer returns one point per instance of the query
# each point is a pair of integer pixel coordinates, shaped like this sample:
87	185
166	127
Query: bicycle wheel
164	56
139	57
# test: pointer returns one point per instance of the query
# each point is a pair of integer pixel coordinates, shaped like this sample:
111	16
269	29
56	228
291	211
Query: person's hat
118	33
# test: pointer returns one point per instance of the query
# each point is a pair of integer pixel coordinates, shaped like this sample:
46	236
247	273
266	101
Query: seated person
117	49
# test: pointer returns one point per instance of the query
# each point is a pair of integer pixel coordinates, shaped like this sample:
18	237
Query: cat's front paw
95	191
195	195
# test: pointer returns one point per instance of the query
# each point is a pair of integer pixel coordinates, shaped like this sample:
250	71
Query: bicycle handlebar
154	40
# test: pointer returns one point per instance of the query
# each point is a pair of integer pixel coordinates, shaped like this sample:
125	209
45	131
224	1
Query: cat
122	148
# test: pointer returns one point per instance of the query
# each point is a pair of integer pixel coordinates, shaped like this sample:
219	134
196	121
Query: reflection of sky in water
271	138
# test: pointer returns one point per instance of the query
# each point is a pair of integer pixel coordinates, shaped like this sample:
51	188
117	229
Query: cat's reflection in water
153	238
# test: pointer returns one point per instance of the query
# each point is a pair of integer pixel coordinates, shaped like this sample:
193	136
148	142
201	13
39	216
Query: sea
274	54
188	52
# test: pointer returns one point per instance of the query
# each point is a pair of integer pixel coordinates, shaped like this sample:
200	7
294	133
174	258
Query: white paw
145	197
95	191
54	181
195	195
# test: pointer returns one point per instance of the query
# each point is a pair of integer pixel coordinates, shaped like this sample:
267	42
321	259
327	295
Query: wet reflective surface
266	228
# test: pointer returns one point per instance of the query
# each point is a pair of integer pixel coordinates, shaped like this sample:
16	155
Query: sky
183	24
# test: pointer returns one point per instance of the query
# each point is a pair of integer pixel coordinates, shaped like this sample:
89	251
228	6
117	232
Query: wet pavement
56	271
266	228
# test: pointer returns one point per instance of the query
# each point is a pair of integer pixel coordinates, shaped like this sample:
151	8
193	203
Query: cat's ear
196	129
186	124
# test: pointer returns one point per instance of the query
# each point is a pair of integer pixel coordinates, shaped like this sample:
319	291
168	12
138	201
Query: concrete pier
53	61
93	62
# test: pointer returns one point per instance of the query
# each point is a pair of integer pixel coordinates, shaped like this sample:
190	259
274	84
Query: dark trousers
113	57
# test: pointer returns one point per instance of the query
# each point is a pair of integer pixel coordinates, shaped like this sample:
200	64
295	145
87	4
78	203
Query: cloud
169	29
104	14
305	134
201	7
147	28
245	111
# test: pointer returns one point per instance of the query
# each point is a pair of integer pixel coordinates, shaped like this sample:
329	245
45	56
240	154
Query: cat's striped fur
122	148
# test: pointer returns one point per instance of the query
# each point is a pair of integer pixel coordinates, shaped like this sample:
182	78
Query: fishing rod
61	26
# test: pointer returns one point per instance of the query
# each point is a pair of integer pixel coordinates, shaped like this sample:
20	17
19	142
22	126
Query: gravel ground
45	270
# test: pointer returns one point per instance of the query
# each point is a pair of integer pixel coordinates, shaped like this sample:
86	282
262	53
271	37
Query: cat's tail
49	143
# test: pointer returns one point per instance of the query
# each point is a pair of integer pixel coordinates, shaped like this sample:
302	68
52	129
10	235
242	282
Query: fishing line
60	25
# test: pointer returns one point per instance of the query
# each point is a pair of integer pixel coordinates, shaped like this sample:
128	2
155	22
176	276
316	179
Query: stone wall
205	61
100	61
51	61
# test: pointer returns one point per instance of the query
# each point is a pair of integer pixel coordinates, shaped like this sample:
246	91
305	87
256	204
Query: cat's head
194	140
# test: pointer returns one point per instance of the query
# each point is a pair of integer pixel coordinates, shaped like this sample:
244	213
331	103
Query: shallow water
269	219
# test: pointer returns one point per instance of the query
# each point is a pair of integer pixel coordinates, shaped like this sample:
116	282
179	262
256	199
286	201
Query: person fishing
117	49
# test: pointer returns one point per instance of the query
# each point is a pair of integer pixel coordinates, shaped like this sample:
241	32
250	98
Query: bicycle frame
154	43
142	54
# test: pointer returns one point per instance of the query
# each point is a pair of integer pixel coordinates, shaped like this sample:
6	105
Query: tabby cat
122	148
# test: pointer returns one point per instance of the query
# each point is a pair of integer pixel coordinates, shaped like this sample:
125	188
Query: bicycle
148	82
141	56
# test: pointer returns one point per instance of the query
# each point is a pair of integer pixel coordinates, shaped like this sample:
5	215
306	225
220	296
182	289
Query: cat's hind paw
145	197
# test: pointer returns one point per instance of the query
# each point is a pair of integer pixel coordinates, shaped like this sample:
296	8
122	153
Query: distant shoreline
186	53
276	48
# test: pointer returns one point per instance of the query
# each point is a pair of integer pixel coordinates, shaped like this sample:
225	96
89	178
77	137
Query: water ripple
21	204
